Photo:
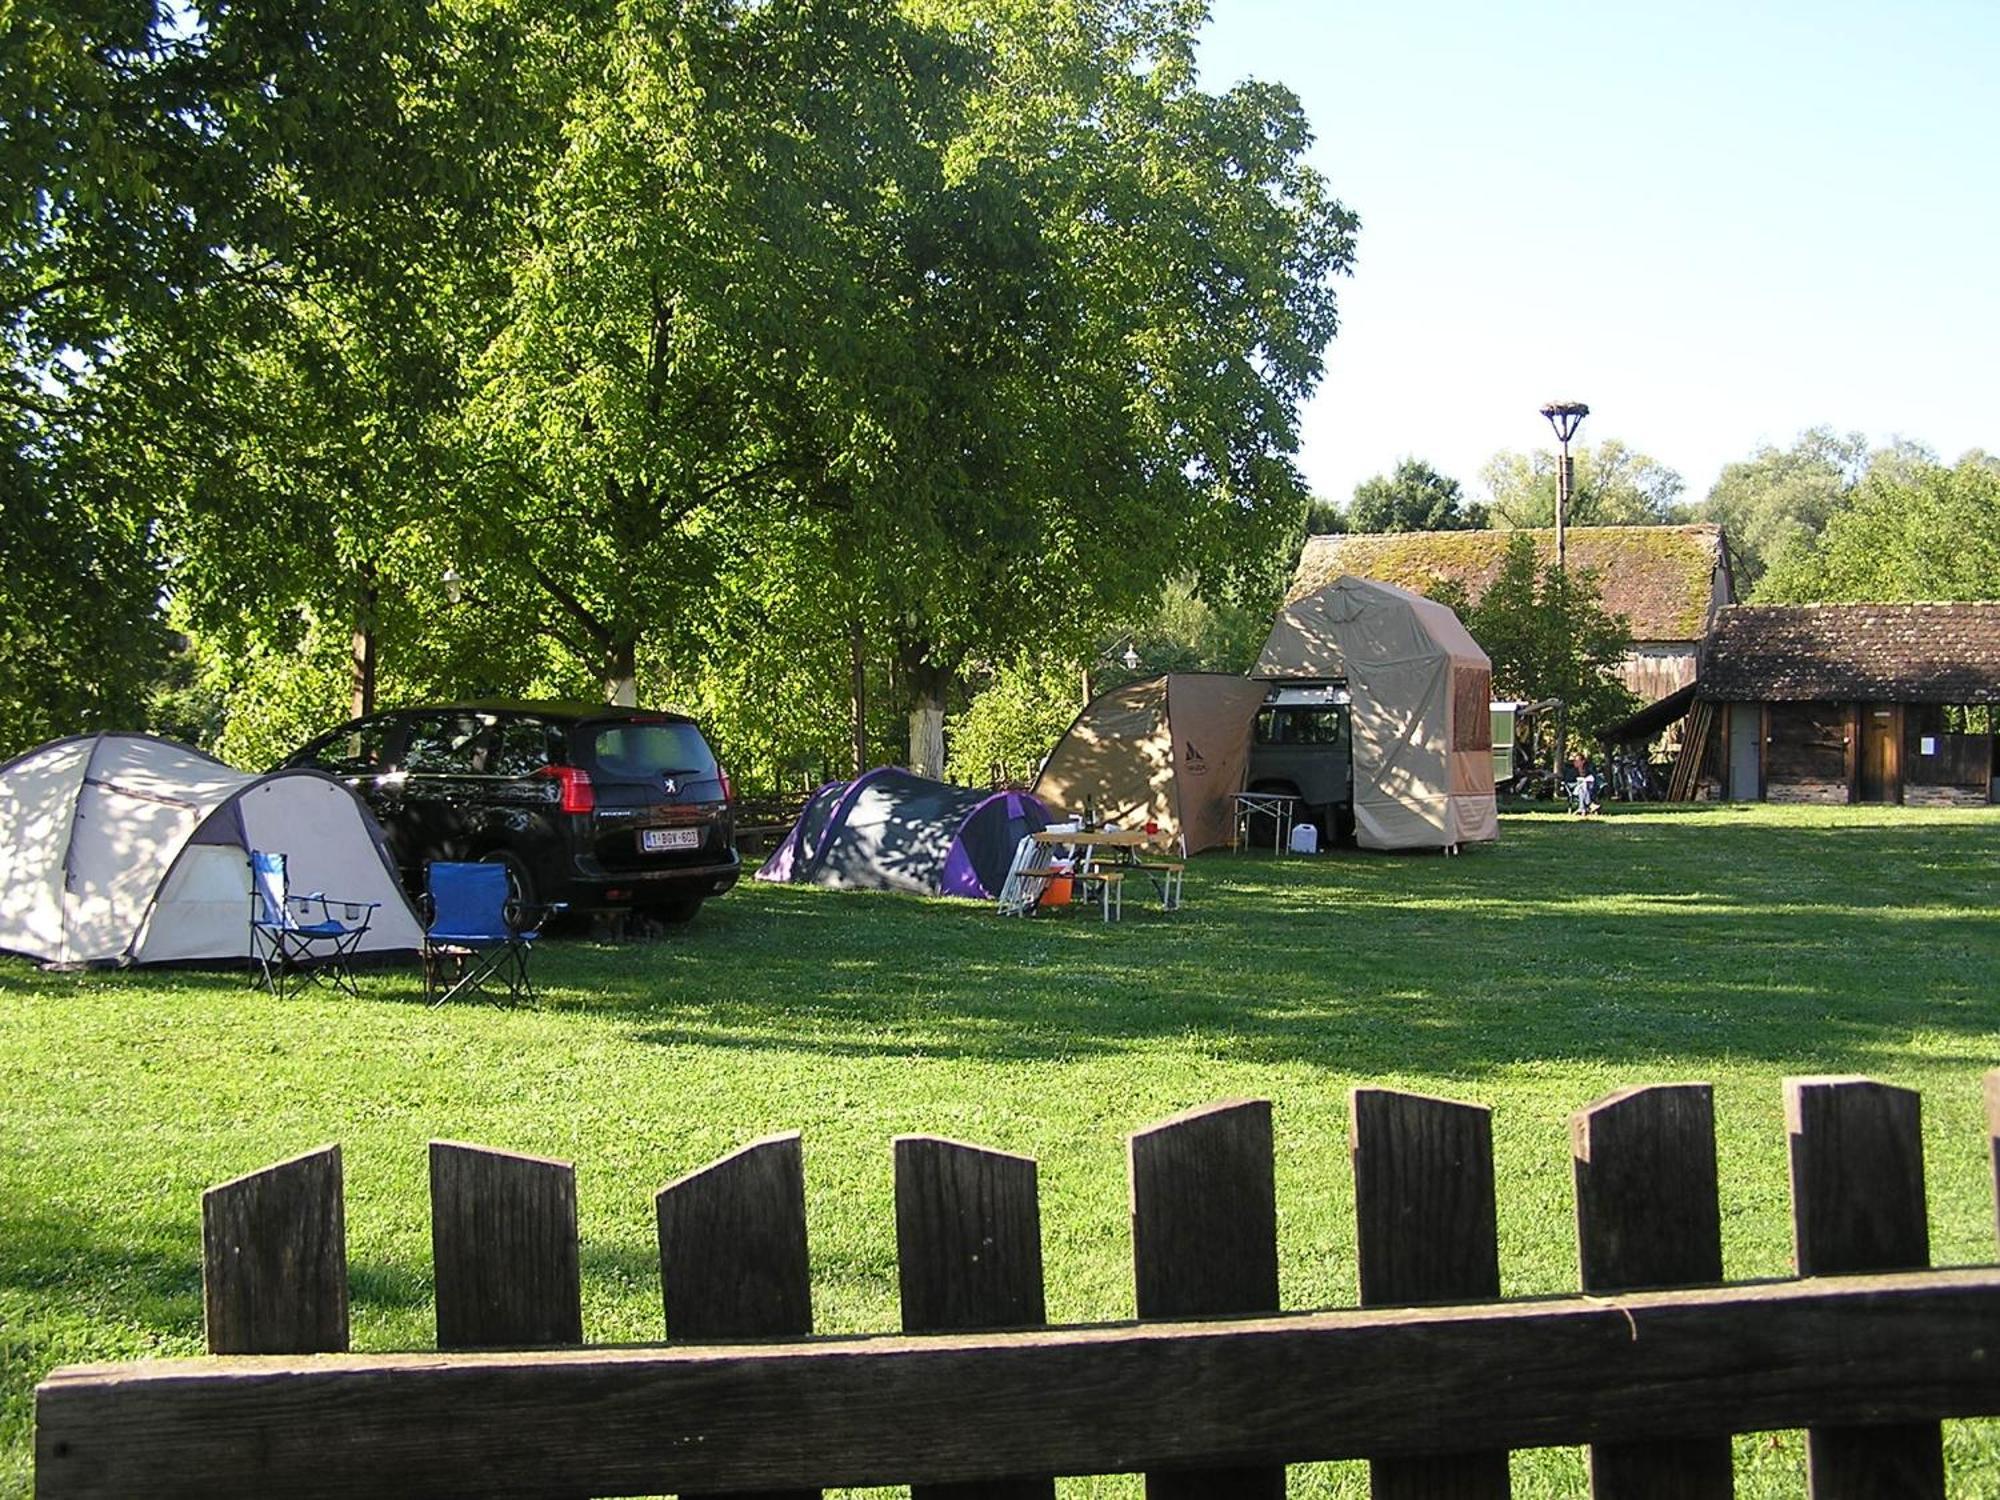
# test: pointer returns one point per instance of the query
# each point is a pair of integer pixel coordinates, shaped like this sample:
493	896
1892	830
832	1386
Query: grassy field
1735	945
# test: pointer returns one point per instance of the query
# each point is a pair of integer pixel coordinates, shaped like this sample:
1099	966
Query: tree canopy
1414	498
1781	496
750	350
1615	486
1908	532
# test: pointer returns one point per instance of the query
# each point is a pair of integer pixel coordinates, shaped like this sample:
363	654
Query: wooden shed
1855	703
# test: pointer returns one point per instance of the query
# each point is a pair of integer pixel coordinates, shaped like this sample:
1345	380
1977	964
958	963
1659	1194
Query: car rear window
651	749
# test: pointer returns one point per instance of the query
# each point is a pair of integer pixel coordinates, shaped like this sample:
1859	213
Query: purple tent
892	830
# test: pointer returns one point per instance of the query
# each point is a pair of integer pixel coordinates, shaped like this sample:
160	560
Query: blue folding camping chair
476	932
287	942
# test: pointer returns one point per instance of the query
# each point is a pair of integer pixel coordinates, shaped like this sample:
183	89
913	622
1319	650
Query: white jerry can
1305	838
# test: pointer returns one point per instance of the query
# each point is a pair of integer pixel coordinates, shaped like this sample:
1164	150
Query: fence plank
274	1259
733	1256
1426	1230
1993	1137
1169	1396
503	1239
968	1256
1857	1163
1647	1215
1205	1243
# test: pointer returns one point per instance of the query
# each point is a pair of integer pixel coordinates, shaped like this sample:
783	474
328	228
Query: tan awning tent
1422	691
1166	750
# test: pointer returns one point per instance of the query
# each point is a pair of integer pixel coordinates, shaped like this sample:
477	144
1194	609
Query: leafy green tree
1323	518
1910	531
1415	498
1615	486
1779	497
1549	636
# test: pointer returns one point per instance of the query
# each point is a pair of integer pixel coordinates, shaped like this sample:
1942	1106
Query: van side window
449	745
360	751
520	748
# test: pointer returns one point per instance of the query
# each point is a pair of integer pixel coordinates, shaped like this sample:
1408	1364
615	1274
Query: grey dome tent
893	830
126	849
1422	713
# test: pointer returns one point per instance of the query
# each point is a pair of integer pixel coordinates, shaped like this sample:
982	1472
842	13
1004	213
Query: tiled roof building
1908	653
1856	702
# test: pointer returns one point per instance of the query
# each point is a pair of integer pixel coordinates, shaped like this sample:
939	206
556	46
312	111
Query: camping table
1123	845
1277	806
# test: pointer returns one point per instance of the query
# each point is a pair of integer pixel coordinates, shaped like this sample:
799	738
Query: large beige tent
1422	690
122	849
1164	750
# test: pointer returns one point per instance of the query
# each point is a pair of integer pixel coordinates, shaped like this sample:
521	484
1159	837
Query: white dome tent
126	849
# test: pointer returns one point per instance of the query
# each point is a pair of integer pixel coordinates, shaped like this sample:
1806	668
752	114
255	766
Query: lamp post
1564	416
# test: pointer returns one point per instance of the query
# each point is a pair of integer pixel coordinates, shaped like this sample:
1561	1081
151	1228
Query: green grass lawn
1733	945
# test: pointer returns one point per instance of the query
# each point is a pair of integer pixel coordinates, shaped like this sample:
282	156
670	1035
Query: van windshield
652	749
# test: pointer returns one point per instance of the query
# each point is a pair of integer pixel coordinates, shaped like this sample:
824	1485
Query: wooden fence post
1647	1216
733	1256
1205	1243
1426	1230
1993	1137
1857	1159
274	1259
503	1242
969	1257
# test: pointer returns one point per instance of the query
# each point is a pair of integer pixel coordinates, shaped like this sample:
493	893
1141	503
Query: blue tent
892	830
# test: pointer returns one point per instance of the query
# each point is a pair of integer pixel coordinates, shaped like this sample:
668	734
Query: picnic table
1099	859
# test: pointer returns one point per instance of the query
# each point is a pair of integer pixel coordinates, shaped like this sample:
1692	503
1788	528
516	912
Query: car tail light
728	786
577	796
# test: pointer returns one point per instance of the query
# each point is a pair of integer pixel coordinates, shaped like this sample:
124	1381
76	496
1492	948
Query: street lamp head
1565	416
454	586
1131	658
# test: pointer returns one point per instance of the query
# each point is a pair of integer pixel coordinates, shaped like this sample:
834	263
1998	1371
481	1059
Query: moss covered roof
1663	579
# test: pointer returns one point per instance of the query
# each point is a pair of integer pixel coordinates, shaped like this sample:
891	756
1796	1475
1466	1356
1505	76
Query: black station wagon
605	808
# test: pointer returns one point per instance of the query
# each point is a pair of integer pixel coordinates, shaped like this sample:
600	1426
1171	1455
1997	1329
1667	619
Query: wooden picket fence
1213	1390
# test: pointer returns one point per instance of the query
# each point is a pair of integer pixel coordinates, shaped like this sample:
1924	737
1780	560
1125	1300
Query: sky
1717	224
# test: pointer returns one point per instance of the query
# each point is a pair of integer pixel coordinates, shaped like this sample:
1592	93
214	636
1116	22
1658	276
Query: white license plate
653	840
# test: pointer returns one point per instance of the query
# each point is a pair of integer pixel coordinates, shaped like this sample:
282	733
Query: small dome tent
126	849
892	830
1164	750
1422	715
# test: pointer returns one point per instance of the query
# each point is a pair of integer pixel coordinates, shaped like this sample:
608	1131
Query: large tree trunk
361	656
621	681
859	664
927	739
928	684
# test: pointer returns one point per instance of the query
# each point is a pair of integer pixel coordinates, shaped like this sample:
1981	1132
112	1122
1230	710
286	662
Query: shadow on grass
1626	938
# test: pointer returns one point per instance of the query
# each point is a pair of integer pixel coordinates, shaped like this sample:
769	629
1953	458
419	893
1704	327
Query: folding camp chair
477	932
1020	891
285	943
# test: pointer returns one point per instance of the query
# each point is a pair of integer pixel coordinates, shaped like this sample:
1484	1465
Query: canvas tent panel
1117	757
37	810
128	825
1211	718
329	844
203	909
1166	750
1423	771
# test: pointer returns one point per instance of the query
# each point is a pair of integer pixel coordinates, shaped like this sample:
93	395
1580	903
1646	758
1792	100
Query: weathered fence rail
1210	1395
